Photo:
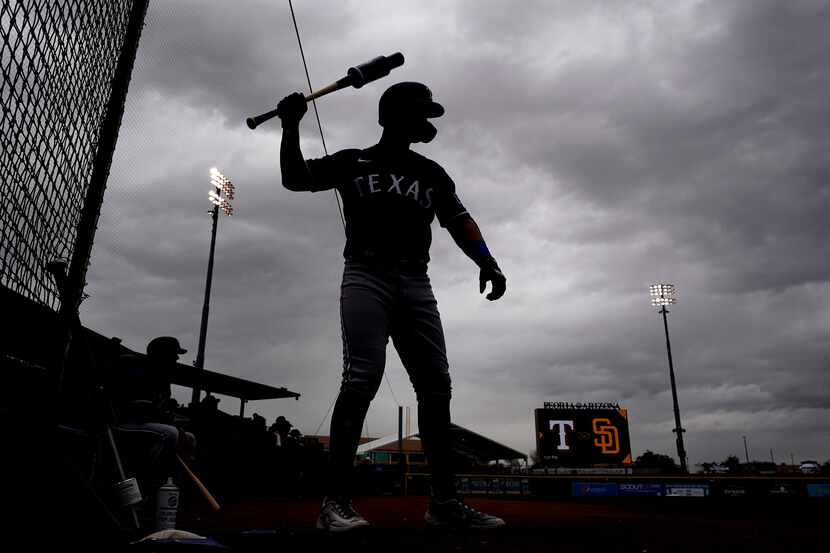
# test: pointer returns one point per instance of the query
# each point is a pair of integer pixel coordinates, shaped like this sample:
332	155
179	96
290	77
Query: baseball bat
57	268
202	488
356	76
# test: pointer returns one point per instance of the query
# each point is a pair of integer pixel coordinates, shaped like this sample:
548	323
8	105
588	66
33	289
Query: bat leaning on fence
202	488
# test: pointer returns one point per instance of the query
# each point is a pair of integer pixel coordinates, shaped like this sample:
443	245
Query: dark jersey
139	389
388	202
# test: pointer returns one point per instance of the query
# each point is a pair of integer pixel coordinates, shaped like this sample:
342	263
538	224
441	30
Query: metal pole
746	450
200	355
678	429
402	464
121	474
70	299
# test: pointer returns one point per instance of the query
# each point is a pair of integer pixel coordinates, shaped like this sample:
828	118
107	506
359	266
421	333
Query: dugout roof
30	344
218	383
481	448
464	441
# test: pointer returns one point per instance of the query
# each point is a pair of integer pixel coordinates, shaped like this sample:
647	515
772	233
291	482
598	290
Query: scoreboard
582	434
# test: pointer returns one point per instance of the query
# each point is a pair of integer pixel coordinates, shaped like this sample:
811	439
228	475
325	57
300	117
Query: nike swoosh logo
361	160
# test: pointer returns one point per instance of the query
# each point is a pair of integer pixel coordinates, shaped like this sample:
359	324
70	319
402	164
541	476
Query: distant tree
535	458
732	463
652	460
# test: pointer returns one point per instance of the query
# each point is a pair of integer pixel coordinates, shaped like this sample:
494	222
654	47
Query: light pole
220	198
663	295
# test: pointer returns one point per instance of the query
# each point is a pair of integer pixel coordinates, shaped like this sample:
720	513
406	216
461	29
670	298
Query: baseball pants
381	301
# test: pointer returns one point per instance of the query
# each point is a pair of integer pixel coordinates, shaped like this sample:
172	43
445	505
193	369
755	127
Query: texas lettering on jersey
388	202
402	185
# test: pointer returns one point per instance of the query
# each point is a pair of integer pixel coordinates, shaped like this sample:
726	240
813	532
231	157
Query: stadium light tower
661	296
220	197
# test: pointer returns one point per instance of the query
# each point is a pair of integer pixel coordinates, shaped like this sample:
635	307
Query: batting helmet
407	99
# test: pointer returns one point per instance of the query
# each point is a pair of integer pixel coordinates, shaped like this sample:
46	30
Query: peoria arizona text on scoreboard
582	434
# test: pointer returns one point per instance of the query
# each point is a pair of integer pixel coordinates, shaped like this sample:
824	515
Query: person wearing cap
391	195
280	430
163	354
143	403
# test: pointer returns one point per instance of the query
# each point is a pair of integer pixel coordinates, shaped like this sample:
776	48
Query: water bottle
167	505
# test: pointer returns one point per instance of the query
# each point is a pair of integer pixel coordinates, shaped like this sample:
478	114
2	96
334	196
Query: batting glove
490	272
291	109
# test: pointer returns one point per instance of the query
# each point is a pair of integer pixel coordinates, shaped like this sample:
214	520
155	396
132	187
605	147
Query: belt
383	262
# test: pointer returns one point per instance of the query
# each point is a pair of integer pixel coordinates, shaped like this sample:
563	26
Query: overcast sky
601	146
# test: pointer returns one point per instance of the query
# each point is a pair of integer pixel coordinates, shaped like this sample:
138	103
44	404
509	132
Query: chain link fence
58	60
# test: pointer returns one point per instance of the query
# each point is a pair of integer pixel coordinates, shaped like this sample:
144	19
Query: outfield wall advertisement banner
641	490
687	490
818	490
594	489
583	437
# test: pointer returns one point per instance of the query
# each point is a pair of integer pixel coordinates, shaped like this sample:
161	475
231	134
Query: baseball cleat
457	514
338	515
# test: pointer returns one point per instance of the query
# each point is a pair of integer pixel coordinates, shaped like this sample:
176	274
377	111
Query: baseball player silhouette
390	195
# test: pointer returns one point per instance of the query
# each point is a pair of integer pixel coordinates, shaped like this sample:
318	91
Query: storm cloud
601	146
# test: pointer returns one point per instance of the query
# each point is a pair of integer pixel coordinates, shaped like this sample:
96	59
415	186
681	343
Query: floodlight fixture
222	183
662	294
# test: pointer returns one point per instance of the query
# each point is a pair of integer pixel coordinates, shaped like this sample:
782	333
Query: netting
57	60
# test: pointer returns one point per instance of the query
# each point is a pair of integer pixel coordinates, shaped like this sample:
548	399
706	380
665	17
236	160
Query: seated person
142	401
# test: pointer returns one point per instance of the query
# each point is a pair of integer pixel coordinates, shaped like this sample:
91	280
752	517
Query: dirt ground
671	525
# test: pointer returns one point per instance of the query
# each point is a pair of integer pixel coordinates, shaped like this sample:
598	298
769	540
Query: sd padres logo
607	437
